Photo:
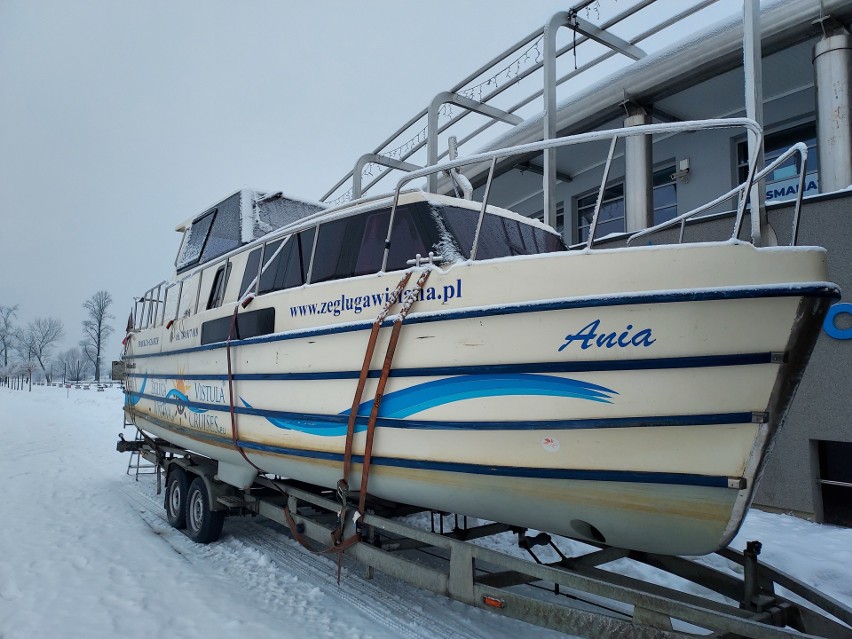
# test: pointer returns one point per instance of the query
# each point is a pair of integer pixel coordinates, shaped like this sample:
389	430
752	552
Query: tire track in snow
373	599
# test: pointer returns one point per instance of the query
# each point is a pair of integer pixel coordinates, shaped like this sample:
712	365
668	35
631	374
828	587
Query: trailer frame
596	601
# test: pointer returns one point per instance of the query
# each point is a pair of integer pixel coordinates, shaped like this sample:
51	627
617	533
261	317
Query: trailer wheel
202	524
175	501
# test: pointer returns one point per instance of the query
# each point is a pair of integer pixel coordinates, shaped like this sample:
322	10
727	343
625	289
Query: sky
121	119
102	560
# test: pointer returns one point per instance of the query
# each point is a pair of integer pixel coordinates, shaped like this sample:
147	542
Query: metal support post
638	190
832	63
761	233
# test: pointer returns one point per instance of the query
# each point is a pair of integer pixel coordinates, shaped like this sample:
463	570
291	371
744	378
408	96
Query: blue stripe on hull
700	361
682	479
678	479
333	425
669	297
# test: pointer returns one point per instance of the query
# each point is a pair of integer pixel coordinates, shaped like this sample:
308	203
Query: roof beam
538	170
605	38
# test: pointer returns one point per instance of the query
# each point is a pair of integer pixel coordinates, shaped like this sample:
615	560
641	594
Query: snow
87	552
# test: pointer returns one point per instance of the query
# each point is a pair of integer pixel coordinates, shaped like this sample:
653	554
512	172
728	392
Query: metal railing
614	135
741	190
495	91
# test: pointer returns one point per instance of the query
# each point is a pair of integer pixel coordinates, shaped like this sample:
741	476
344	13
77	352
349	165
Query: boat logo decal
550	444
592	335
174	404
420	397
178	394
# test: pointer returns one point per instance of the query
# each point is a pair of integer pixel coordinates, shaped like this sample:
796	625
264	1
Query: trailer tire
202	524
177	486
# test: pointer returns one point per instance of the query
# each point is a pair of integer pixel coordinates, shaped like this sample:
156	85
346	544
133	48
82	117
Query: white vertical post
638	193
832	64
761	233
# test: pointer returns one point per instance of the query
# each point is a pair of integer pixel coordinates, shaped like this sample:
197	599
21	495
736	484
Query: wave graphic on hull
133	397
415	399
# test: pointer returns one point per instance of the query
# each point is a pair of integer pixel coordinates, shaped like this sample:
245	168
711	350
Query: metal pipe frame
593	136
449	97
375	158
566	19
587	30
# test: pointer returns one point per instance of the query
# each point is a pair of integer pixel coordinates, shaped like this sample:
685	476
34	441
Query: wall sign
830	323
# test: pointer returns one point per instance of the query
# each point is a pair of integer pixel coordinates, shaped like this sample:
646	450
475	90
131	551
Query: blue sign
830	325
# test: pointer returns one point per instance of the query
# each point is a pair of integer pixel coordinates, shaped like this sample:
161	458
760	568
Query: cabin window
415	231
289	268
189	296
351	246
217	290
372	247
193	245
271	257
172	298
224	235
244	325
499	236
251	272
300	258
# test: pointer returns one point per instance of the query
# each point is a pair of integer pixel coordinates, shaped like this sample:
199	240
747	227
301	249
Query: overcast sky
121	118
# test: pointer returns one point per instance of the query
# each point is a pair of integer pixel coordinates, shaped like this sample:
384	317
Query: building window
783	183
835	479
611	219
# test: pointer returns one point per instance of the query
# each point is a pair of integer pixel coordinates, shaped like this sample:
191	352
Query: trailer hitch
124	446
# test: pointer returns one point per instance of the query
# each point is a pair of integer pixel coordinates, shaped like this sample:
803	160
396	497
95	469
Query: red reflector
493	602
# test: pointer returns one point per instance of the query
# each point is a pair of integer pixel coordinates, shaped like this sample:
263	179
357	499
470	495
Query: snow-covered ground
85	551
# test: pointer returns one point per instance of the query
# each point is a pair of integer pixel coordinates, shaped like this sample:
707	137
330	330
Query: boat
623	396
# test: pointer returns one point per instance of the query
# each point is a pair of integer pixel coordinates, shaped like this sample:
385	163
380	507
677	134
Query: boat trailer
574	594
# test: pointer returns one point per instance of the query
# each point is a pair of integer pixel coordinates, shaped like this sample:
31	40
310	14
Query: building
590	77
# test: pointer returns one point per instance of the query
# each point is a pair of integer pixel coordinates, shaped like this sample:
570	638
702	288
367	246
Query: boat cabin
255	244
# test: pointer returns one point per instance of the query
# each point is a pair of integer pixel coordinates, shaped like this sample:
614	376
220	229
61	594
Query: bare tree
96	329
37	341
74	364
7	332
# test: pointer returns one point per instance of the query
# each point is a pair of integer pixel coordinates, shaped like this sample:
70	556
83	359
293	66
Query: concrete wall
822	409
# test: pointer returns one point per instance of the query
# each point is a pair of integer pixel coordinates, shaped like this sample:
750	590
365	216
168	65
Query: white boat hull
624	396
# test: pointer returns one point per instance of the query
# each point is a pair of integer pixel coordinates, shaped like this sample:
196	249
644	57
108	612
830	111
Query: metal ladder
136	463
